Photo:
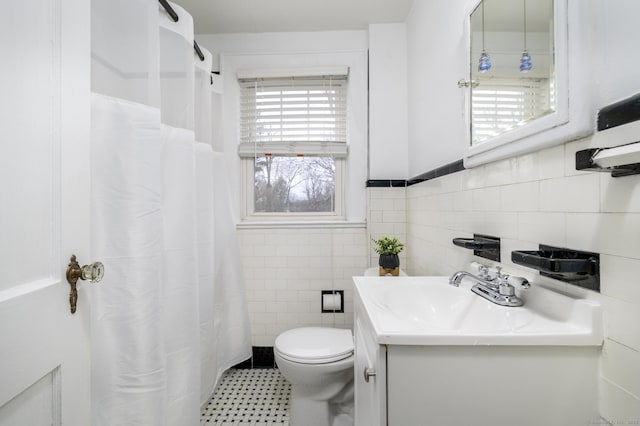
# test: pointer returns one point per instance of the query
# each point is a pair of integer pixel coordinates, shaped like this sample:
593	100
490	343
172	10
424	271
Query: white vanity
428	353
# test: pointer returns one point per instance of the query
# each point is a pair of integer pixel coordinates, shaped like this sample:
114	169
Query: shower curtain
160	326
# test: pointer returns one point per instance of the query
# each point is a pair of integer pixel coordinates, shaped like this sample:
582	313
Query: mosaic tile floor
249	397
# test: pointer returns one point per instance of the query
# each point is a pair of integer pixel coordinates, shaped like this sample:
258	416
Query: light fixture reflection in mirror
511	92
525	60
484	64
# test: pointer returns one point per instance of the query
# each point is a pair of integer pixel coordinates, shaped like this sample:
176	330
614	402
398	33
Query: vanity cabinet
462	385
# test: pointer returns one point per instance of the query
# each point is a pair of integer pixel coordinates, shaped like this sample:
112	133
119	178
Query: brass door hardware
92	273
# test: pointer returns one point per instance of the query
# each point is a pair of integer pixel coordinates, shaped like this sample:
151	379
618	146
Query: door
370	376
44	211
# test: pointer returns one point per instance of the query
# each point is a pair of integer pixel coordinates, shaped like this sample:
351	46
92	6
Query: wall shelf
482	245
571	266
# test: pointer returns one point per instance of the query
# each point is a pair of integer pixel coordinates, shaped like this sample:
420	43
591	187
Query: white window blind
500	105
292	116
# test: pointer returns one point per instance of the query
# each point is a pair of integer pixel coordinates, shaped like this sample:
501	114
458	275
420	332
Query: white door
370	391
44	211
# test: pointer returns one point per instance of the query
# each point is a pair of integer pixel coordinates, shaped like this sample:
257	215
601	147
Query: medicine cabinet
518	86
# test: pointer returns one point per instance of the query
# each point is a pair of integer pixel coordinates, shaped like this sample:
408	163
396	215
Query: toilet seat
315	345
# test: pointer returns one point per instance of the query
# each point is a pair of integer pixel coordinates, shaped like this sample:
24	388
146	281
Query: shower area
170	315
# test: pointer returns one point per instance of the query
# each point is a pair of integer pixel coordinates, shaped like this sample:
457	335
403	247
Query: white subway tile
474	178
619	195
354	250
622	321
551	162
273	262
400	204
572	194
528	168
259	295
263	340
400	229
501	172
253	262
610	233
275	285
308	296
621	365
542	228
287	318
375	216
498	224
522	197
254	284
486	199
381	204
264	317
384	229
620	278
256	306
618	406
393	217
463	201
285	296
258	329
275	307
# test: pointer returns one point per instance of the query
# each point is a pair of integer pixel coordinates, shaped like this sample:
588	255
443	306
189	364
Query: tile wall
285	271
387	216
541	198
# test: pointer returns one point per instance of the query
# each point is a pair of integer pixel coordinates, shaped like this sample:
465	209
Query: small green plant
387	245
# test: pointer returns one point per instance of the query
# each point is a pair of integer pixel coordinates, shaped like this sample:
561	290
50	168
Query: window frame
337	150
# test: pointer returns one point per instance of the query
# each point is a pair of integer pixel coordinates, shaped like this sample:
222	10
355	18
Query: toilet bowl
318	362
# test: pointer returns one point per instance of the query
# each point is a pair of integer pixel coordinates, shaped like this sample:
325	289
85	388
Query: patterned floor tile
249	397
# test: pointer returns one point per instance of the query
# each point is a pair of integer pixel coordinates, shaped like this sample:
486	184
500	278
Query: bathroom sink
429	311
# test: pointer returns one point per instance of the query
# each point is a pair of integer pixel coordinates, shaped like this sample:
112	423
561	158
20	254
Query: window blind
302	115
500	105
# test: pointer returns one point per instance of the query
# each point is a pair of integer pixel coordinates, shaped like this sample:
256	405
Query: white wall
436	61
388	131
534	198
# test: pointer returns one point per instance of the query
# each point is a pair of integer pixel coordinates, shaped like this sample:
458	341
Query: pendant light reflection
484	64
525	60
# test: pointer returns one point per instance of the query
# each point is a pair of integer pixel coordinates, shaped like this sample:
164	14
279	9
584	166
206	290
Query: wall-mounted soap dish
482	245
572	266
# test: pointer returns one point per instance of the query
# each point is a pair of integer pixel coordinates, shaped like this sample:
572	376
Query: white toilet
318	362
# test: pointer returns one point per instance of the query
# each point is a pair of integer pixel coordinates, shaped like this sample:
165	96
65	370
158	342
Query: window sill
301	225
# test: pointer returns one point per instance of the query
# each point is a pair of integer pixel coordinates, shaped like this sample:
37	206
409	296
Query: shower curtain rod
172	13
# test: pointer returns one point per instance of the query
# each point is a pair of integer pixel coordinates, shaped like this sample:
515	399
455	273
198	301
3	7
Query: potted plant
388	249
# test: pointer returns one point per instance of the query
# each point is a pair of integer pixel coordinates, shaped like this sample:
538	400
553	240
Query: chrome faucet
495	289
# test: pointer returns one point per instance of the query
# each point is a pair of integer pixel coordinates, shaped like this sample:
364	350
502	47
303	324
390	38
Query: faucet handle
483	270
503	279
522	282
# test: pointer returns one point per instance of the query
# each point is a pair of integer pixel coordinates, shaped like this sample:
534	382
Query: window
293	143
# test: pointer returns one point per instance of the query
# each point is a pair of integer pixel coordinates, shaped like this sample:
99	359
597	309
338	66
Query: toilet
318	362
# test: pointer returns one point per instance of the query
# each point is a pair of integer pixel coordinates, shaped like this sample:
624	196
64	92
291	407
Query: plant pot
389	264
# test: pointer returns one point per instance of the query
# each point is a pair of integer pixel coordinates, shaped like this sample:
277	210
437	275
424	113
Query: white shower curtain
223	312
128	363
153	224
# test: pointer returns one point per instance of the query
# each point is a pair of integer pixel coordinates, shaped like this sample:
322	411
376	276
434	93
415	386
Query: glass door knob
93	273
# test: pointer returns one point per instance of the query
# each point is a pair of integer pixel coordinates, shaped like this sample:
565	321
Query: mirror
513	72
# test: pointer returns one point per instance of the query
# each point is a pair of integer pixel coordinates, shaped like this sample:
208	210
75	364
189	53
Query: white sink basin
429	311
